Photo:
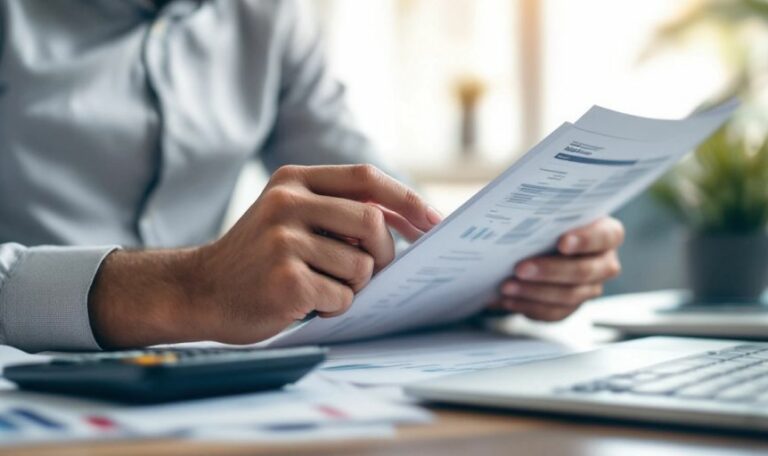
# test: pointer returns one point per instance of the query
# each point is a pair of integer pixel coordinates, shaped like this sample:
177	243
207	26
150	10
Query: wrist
142	298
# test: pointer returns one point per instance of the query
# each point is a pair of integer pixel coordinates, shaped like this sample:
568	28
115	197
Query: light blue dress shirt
126	125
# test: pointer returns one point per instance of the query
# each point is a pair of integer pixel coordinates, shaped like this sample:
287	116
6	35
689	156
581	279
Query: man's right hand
312	240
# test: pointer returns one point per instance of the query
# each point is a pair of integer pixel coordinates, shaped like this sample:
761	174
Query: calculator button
153	359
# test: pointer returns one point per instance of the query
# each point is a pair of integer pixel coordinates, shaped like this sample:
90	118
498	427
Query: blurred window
402	59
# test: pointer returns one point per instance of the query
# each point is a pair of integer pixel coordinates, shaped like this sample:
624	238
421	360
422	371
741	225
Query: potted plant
721	191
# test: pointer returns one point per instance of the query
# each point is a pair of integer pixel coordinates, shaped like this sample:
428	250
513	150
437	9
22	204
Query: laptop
694	382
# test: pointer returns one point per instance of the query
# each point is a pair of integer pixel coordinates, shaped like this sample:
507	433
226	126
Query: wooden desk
474	432
468	432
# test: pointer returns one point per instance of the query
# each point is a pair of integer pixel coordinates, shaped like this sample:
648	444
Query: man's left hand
551	287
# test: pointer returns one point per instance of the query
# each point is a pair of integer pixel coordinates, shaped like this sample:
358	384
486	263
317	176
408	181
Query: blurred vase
469	91
727	268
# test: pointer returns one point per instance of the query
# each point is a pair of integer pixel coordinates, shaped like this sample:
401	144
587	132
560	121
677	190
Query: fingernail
571	243
528	271
510	289
433	215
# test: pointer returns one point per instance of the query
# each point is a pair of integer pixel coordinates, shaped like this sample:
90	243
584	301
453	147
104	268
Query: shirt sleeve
313	124
44	296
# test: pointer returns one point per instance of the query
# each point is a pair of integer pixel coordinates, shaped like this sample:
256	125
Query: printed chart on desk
402	359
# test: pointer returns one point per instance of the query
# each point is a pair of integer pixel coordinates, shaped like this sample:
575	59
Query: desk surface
471	432
461	431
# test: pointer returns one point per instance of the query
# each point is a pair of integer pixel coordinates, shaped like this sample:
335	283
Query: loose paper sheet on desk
314	408
407	358
575	175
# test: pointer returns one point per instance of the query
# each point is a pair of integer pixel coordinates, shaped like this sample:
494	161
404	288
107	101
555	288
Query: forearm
143	298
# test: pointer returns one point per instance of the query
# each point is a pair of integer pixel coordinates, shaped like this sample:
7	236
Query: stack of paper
311	409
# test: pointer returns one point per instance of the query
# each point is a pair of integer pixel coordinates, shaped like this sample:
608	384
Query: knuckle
363	265
345	299
366	173
362	270
287	172
283	238
542	267
289	274
620	233
386	257
372	219
282	197
411	198
614	268
522	288
340	302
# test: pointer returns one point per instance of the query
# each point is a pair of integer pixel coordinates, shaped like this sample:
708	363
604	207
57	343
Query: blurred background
453	92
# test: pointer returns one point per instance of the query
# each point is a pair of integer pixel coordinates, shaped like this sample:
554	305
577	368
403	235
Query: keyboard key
736	374
745	390
718	356
706	389
678	367
759	355
643	376
588	387
619	384
663	386
749	348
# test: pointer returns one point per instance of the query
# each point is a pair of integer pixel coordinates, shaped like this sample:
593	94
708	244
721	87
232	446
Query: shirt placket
152	58
155	59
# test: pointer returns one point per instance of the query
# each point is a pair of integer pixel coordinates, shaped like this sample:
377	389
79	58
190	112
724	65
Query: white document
577	174
291	435
312	402
30	418
290	407
313	409
408	358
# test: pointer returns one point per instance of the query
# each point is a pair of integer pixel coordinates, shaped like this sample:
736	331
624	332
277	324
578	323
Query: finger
401	225
367	184
570	270
352	219
536	310
329	297
566	295
495	309
339	260
605	234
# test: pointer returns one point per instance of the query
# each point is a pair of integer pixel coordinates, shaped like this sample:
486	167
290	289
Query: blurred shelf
458	171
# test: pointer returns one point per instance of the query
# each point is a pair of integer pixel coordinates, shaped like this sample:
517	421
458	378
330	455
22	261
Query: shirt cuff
44	301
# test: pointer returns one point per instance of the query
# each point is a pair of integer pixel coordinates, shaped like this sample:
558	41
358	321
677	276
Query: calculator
166	374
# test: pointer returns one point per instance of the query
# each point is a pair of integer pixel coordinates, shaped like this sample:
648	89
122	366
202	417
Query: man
123	126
